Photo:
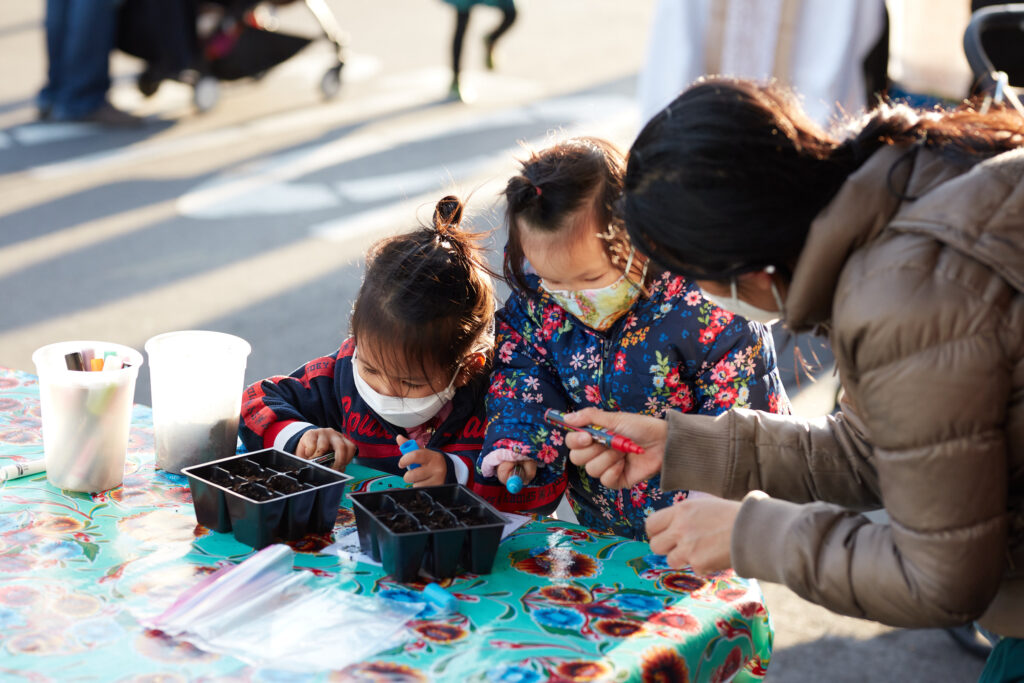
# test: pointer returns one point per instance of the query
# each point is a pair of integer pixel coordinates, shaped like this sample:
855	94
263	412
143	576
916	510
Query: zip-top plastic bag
266	614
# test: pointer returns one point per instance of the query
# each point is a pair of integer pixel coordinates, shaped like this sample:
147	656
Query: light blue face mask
738	306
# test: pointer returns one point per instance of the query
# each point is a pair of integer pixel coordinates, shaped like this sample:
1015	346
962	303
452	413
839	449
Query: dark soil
244	467
400	523
285	485
289	467
469	515
417	503
437	519
220	477
253	491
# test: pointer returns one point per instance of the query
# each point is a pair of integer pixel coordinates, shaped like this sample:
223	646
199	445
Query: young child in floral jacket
590	323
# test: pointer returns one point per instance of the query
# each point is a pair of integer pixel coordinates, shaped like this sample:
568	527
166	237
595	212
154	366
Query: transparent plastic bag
266	614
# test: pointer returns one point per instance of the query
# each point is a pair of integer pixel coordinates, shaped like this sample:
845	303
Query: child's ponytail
448	215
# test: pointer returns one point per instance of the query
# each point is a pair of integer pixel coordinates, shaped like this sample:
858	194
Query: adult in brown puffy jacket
904	243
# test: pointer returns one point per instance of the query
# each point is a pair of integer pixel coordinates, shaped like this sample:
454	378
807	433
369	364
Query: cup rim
154	341
42	367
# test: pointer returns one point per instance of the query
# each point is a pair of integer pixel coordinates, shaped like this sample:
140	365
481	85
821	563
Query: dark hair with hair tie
427	295
554	186
729	177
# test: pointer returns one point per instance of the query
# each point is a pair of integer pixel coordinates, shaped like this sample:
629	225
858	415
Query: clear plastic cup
86	415
196	380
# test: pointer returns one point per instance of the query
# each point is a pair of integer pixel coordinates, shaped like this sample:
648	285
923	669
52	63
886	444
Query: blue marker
408	447
440	598
515	482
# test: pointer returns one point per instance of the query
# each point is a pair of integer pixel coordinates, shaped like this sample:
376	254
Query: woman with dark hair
904	243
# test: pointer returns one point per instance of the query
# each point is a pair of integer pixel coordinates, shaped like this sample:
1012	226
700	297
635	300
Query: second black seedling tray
265	495
437	529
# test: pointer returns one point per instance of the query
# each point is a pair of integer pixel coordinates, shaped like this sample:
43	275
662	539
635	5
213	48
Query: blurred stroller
994	46
203	42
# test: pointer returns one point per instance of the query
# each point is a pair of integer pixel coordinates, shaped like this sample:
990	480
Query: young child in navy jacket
414	367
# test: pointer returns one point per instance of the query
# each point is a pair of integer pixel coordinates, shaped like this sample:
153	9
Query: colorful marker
515	482
610	439
408	447
22	469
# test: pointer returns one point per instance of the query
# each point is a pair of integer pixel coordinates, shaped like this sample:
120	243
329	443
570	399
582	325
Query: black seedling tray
438	529
266	495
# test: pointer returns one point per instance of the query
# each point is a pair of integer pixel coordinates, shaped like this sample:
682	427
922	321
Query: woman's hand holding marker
317	442
615	469
424	466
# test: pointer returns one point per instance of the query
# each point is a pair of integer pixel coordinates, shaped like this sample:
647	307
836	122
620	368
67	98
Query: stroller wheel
206	93
147	84
330	84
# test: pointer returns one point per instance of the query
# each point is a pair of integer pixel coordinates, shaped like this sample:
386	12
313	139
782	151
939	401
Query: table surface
563	603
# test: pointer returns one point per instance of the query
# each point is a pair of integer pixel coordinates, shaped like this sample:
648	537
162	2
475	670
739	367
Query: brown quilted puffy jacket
923	299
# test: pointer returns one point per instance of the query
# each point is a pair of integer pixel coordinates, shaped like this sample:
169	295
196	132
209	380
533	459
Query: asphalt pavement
253	218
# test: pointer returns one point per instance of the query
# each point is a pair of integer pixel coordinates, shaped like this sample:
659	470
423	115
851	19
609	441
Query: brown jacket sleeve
920	350
796	459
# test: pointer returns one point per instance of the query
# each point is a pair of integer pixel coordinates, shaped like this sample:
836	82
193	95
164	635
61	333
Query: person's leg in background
508	8
56	20
461	24
79	48
1006	663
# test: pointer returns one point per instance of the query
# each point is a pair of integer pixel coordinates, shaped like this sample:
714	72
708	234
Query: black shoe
109	115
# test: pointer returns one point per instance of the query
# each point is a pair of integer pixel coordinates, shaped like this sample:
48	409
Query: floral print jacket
673	349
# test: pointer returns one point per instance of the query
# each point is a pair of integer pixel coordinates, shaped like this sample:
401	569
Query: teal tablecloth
563	603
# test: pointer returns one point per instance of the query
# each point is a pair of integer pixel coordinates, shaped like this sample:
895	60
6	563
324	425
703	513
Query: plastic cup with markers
86	392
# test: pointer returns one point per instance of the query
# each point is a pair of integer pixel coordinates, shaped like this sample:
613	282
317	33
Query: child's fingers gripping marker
515	482
407	447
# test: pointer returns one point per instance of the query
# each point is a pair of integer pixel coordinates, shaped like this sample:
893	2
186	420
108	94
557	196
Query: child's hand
529	471
433	466
317	442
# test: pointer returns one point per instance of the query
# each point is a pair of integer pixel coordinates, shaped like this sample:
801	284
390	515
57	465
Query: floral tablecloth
563	603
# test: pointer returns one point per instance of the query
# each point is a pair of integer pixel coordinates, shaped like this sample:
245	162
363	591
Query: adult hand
615	469
433	466
695	532
505	471
317	442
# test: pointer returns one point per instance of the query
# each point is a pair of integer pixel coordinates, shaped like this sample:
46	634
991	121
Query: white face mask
600	308
402	412
738	306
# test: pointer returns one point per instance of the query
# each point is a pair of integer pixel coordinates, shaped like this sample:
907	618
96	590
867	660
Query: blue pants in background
80	36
